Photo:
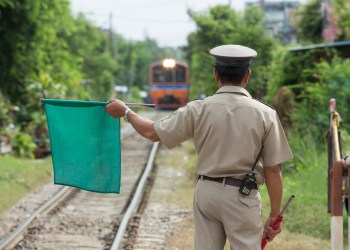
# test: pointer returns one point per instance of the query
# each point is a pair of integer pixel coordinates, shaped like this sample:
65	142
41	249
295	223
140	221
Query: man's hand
116	108
269	231
143	126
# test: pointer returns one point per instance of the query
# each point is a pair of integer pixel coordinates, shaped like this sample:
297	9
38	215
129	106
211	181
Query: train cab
169	83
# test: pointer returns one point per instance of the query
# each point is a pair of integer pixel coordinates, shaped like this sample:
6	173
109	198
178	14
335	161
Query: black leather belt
227	181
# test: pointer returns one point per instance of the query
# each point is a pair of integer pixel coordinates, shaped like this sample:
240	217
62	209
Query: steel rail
9	241
136	198
129	130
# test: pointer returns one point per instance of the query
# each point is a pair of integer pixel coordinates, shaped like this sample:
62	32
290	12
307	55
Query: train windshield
176	74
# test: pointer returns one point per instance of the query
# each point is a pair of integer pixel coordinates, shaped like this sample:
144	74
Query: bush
22	144
4	117
314	76
293	69
306	148
332	80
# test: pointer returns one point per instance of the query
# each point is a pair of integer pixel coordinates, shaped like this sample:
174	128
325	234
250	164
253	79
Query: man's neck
232	84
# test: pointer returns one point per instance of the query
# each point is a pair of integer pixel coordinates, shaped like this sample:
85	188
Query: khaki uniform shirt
228	130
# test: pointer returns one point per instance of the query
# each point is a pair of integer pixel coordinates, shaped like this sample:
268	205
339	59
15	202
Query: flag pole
130	104
136	105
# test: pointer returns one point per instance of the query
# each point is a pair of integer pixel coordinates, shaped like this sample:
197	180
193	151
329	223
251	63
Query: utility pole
262	4
111	35
112	46
129	64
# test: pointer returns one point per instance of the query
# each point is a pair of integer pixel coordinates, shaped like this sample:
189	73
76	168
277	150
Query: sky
166	21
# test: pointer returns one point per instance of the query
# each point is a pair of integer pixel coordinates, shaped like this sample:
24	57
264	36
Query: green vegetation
308	213
342	19
305	176
314	77
308	182
20	176
182	158
222	25
309	24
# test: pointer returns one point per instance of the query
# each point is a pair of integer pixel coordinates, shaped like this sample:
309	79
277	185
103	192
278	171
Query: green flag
85	145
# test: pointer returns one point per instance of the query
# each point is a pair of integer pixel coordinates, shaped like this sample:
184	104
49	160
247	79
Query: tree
32	45
145	53
97	63
35	62
330	80
135	57
46	52
310	22
222	25
4	3
342	17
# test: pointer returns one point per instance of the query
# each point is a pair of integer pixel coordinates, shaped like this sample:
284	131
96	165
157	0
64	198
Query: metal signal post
336	179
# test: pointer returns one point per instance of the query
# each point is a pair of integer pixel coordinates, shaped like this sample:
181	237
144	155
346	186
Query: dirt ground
183	240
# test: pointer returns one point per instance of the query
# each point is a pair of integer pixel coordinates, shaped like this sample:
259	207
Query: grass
305	176
180	158
20	176
308	215
308	212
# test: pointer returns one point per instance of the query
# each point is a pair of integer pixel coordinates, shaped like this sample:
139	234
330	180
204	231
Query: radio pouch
248	183
249	180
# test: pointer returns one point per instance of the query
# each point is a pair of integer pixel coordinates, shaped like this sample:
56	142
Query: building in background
279	18
330	29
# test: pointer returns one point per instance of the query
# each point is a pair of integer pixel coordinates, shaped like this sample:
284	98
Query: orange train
169	83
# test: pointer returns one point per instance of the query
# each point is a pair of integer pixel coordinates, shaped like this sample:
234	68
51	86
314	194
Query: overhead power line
139	6
131	19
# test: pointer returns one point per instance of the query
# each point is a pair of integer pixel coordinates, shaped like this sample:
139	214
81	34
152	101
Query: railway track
81	219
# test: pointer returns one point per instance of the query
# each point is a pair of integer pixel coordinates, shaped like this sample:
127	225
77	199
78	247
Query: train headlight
169	63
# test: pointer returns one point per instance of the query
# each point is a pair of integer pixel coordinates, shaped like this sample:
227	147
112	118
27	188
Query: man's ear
246	77
216	75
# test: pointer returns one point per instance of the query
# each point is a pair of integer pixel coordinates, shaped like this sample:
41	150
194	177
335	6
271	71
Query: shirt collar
233	89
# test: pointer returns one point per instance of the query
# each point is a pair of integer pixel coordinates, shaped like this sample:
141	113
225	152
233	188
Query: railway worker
228	129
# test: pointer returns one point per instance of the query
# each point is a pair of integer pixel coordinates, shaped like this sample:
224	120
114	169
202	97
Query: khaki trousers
221	212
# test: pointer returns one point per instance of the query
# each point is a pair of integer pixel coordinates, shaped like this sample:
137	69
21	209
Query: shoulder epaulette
197	99
264	103
200	99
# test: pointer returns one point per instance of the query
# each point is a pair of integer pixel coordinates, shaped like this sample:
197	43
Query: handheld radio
249	180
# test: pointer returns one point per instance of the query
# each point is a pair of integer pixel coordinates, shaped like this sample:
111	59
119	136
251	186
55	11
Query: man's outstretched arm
143	126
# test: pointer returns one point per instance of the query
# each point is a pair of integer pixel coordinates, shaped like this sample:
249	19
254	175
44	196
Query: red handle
275	225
